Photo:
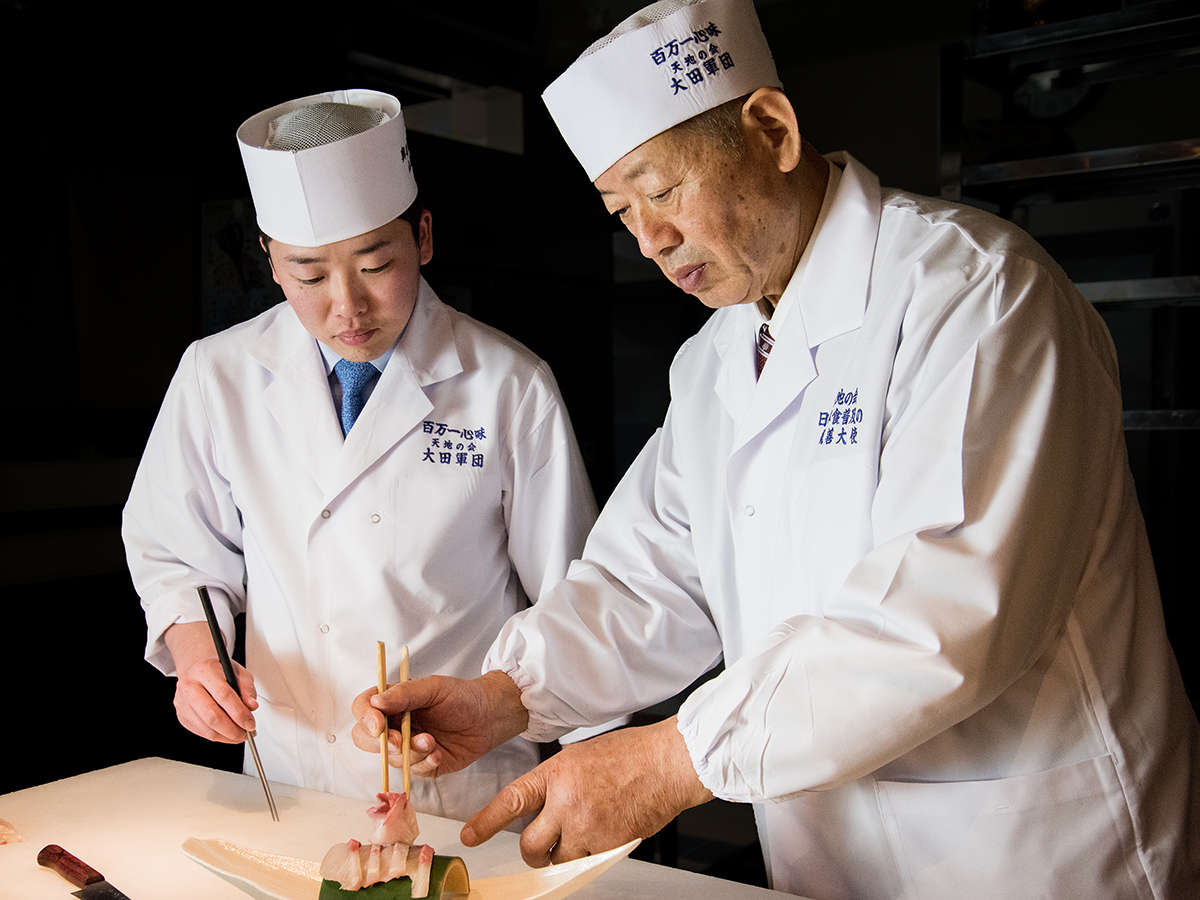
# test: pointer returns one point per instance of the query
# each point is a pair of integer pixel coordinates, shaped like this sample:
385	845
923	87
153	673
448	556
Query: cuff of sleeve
177	608
687	721
541	728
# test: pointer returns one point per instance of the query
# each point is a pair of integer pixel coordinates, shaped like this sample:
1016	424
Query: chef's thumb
407	696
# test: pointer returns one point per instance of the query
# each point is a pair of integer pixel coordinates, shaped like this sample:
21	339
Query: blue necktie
354	378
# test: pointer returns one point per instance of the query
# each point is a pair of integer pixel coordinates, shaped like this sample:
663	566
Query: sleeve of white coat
180	526
1014	432
548	504
629	626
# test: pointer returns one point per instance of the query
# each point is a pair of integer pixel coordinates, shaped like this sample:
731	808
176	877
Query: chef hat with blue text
670	61
327	167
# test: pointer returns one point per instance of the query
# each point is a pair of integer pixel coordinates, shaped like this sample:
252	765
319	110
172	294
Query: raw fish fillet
396	819
391	853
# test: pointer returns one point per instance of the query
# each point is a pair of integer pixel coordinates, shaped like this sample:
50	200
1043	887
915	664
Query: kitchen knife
79	873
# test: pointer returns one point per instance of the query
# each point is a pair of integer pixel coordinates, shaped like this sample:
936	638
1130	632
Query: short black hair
412	216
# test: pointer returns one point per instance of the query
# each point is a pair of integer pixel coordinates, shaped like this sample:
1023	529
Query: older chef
913	538
360	462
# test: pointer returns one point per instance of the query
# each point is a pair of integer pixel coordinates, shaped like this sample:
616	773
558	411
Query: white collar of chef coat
332	359
830	286
828	296
430	351
428	346
788	298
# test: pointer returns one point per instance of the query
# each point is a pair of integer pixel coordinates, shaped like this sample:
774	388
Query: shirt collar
332	359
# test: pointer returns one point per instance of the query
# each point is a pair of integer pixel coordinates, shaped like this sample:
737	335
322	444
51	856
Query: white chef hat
328	167
670	61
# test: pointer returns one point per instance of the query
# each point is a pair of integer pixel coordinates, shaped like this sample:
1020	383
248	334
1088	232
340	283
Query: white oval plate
270	876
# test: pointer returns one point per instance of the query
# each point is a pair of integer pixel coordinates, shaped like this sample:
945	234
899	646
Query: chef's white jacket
458	493
915	542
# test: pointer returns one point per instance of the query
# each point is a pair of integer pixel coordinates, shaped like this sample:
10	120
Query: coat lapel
425	354
298	396
829	289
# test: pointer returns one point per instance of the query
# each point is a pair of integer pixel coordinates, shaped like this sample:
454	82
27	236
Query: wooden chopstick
383	735
406	728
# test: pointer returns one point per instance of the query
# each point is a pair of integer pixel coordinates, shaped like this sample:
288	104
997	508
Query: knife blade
91	883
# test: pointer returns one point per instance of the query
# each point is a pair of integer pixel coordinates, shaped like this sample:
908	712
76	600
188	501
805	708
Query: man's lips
689	277
356	338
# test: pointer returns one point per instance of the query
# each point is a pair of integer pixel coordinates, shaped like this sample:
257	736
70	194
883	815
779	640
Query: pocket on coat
1065	832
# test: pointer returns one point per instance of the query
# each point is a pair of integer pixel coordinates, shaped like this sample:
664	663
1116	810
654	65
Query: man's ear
425	236
769	123
270	262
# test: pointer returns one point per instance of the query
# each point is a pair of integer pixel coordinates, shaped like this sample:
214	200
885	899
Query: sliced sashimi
420	878
396	820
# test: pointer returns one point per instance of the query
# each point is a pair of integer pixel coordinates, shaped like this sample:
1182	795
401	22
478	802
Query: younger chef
360	462
903	516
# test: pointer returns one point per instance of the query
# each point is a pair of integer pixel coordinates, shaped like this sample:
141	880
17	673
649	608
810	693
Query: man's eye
662	195
378	268
620	213
310	281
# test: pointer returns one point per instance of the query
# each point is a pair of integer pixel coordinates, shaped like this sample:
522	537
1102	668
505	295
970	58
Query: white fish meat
396	820
354	865
391	854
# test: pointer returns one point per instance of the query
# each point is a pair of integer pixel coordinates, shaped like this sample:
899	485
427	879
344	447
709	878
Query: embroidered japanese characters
703	59
839	425
454	446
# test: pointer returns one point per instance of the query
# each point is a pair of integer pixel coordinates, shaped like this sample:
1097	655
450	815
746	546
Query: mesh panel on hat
655	12
321	123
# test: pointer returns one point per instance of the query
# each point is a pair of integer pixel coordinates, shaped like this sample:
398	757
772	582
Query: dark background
127	234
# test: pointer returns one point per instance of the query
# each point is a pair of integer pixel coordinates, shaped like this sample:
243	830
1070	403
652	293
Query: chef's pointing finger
229	700
246	687
523	797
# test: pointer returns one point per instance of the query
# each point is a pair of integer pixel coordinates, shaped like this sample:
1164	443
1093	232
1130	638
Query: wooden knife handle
72	868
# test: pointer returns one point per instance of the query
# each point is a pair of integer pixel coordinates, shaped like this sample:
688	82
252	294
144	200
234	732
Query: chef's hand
454	721
204	702
596	795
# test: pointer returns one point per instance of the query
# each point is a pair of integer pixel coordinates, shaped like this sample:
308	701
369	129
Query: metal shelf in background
1075	41
1182	290
1161	419
1142	158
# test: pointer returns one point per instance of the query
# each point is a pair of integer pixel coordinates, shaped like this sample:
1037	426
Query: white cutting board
129	822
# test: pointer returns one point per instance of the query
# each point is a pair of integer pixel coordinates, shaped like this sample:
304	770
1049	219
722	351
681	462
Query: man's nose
349	298
654	234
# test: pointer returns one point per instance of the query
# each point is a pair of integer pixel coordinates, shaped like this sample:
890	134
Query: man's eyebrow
632	174
372	247
308	260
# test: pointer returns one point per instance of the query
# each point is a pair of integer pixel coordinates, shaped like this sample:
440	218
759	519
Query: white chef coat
458	494
917	545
